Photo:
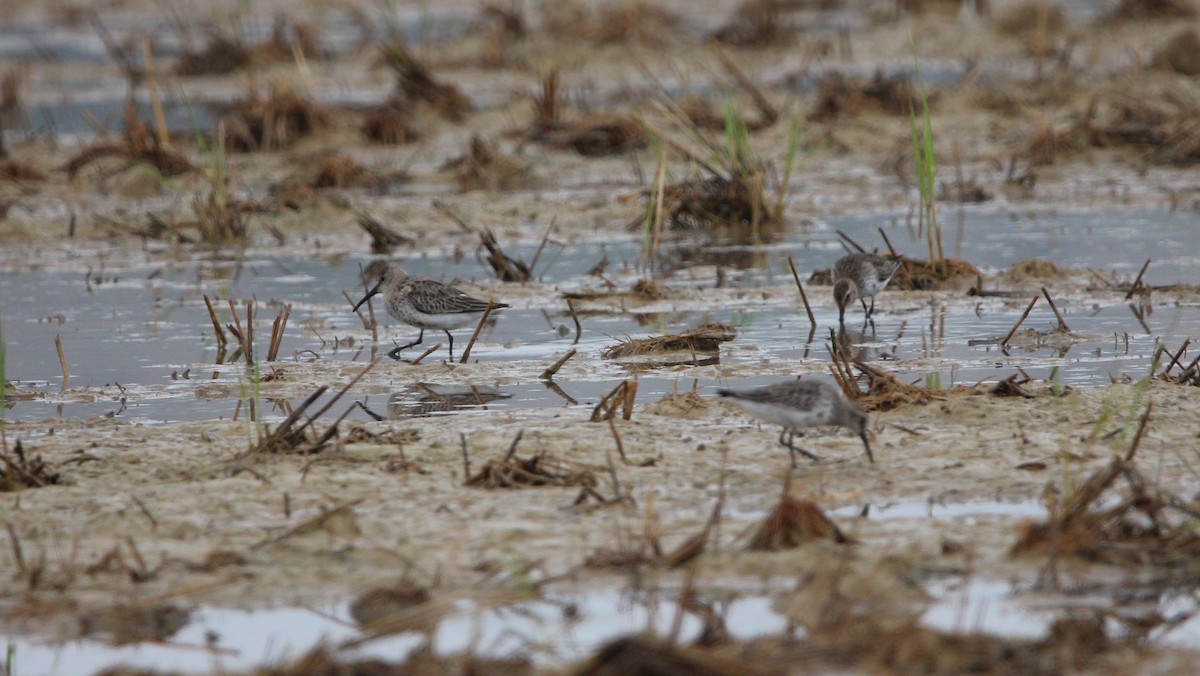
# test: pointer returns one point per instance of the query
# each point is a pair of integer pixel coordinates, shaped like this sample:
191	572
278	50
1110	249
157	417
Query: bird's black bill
867	445
367	297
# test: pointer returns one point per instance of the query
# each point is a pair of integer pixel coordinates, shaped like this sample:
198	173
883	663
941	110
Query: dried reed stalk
62	361
478	327
1019	321
277	330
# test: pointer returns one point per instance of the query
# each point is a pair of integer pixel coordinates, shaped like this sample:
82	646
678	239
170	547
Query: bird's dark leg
864	304
451	339
872	312
395	354
790	435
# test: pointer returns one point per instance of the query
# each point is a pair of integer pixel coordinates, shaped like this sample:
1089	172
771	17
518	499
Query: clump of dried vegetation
593	135
884	391
623	21
840	96
793	522
273	122
1160	127
512	471
415	83
484	167
20	471
139	145
1144	524
224	52
706	338
755	23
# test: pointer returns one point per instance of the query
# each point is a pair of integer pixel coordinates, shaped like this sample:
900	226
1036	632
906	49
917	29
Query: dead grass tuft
884	392
646	656
624	21
415	82
273	122
755	23
383	238
1144	524
20	172
20	471
599	134
706	338
793	522
139	145
839	96
1153	9
736	203
221	55
391	123
594	135
538	470
383	606
920	275
484	167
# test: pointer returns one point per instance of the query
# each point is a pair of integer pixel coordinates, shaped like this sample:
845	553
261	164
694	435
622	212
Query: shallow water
555	630
144	326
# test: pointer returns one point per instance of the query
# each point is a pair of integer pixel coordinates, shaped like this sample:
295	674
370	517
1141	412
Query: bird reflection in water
420	399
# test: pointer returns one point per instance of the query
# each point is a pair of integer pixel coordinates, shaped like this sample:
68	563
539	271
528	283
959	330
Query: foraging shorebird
796	404
423	303
861	275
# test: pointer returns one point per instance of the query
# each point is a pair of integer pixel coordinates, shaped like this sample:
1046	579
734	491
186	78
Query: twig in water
542	245
478	327
575	318
277	330
1137	437
1058	315
846	240
62	361
1175	359
466	456
249	349
217	330
803	296
426	353
548	374
1019	321
1137	282
361	316
888	243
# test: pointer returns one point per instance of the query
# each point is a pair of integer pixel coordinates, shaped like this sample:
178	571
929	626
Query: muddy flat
212	464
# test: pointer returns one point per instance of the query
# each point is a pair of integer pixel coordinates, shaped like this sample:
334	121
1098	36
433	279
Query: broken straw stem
803	296
1058	315
478	327
1137	282
1019	321
548	374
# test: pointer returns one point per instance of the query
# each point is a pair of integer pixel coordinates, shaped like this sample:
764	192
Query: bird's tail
726	393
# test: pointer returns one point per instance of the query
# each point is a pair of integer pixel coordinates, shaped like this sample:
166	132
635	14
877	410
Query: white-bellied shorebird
796	404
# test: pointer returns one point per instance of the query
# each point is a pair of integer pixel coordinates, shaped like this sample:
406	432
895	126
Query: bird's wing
801	394
435	298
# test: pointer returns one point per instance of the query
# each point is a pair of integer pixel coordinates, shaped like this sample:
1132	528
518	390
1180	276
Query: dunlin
862	275
423	303
796	404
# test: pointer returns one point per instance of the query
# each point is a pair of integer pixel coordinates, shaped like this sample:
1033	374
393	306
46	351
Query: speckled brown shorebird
861	275
423	303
